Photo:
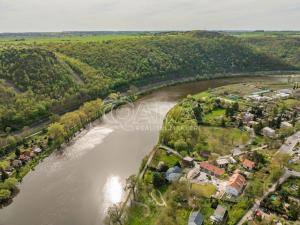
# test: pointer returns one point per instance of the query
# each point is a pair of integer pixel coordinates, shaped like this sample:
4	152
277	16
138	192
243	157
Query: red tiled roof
237	181
214	169
248	164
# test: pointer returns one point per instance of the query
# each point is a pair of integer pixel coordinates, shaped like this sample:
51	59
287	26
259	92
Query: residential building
268	132
196	218
173	174
248	117
16	163
286	125
193	173
248	164
222	162
37	149
188	161
235	184
211	169
220	215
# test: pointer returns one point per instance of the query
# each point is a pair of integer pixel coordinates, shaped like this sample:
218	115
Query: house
220	215
222	162
248	117
24	158
193	173
205	154
235	184
268	132
196	218
285	91
211	169
29	154
188	161
173	174
248	164
37	149
286	125
16	163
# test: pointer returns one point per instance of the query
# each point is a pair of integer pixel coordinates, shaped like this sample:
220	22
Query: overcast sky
67	15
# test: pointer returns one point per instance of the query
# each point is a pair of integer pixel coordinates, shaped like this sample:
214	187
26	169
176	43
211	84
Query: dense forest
39	79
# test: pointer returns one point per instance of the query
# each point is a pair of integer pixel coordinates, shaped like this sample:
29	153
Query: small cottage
268	132
196	218
220	215
248	164
173	174
235	184
188	161
211	169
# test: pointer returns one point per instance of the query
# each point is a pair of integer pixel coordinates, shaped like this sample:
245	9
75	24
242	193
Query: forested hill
39	79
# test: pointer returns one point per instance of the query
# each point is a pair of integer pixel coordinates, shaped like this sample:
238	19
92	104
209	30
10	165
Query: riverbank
216	123
146	89
96	165
108	106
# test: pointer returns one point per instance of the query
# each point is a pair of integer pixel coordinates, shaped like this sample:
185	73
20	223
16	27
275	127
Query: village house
248	117
193	173
222	162
196	218
235	184
211	169
205	154
285	91
220	215
36	149
286	125
248	164
24	158
16	163
188	161
268	132
173	174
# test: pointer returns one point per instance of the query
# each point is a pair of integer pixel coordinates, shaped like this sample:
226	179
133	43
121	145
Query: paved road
290	143
170	150
283	178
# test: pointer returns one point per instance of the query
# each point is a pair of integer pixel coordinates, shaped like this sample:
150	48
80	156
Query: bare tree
131	184
114	215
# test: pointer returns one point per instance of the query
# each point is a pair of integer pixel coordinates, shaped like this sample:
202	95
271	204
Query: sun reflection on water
113	191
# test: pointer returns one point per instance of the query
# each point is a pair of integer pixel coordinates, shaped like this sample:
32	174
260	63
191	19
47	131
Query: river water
76	187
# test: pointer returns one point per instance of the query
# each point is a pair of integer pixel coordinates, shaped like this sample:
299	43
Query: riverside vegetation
41	81
210	126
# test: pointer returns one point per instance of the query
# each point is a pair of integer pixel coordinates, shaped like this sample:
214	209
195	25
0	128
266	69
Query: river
75	187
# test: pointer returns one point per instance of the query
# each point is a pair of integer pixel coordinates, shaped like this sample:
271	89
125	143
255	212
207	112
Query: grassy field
86	38
222	140
204	190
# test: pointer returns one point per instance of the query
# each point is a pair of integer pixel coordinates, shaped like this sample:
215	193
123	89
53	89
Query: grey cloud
57	15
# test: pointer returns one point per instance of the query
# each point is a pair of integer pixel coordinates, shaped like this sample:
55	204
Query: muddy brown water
77	186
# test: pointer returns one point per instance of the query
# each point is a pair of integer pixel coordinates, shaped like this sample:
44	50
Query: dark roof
220	211
174	169
173	174
196	218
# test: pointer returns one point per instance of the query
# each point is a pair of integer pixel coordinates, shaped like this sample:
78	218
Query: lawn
73	38
204	190
214	117
223	140
161	155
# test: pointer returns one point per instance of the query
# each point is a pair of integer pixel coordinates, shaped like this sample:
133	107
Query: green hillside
38	70
284	47
39	79
161	57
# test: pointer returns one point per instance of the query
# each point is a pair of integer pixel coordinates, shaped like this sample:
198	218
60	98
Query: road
168	149
283	178
290	143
